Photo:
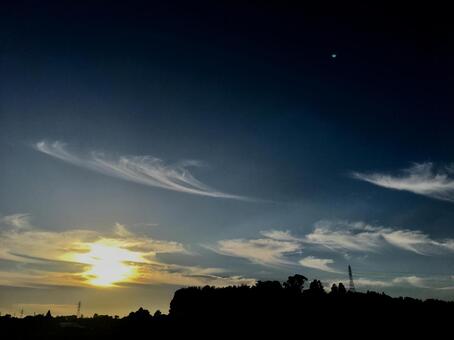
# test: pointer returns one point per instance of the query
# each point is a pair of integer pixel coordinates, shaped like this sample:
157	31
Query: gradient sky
222	144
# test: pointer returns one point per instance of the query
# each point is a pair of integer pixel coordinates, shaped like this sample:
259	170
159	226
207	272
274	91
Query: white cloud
146	170
402	281
363	282
316	263
276	246
362	237
270	250
343	236
412	280
421	178
411	240
16	221
280	235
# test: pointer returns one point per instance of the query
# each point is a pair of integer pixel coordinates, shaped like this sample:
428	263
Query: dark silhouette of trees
316	288
266	305
295	283
141	314
341	289
268	285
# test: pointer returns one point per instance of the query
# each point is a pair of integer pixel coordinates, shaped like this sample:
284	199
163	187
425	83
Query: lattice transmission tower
78	309
351	285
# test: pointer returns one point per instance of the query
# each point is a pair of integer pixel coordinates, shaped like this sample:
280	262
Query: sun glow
109	263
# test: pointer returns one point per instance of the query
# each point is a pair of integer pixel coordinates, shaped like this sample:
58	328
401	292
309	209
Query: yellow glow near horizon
109	263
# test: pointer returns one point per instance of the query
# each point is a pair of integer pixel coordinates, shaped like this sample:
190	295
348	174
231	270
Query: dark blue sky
348	158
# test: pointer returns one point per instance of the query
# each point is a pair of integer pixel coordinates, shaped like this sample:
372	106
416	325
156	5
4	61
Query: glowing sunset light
109	263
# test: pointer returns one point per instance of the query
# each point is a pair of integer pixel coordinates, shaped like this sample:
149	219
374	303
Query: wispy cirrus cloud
412	280
426	282
280	235
270	250
279	247
21	221
363	237
341	236
146	170
319	264
421	178
361	283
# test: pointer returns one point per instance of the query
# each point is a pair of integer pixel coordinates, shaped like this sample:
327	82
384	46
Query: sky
145	147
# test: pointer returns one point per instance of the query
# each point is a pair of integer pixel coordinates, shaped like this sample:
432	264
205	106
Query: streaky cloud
421	179
21	221
279	235
319	264
363	237
278	247
146	170
271	250
414	281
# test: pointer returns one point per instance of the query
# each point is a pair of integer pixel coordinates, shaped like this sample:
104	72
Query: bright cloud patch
420	179
316	263
16	220
269	250
412	281
146	170
279	247
280	235
359	236
400	281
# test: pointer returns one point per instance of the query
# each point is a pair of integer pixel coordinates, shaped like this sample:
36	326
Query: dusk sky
147	146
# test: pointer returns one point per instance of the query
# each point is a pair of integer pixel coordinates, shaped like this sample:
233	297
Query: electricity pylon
351	285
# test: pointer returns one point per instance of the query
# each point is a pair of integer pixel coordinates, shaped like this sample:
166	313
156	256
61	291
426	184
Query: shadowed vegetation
267	306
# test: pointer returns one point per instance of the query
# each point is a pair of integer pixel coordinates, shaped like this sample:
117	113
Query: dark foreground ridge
269	306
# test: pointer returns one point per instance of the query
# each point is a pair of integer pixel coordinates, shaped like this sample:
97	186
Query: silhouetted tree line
292	301
291	306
